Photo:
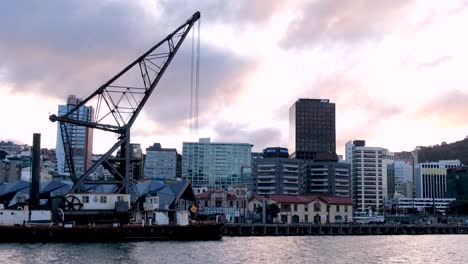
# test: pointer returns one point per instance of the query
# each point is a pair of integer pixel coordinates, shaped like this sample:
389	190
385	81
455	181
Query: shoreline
234	230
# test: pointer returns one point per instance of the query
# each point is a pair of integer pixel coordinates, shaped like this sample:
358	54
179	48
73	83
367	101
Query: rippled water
312	249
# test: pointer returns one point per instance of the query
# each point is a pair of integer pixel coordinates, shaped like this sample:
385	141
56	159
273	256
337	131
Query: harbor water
305	249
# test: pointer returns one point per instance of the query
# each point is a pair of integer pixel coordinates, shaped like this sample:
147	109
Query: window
206	203
306	208
103	199
346	208
337	208
120	199
85	199
317	207
284	218
328	208
295	207
306	218
231	204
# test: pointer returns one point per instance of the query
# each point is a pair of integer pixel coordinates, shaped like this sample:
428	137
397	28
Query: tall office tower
213	164
431	178
457	183
311	128
275	173
403	171
81	138
369	173
326	176
161	162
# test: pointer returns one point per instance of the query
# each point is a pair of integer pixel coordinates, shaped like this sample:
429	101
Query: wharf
109	233
339	229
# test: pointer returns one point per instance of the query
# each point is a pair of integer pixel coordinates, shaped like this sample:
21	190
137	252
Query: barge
161	212
110	233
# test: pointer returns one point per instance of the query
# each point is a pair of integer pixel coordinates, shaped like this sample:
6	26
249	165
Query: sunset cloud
394	69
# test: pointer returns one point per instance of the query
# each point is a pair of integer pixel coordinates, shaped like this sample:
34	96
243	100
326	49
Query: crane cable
197	96
195	83
191	84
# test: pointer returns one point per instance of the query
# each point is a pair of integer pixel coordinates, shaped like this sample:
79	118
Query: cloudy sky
396	69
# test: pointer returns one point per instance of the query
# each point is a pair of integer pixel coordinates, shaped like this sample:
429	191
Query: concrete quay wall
339	229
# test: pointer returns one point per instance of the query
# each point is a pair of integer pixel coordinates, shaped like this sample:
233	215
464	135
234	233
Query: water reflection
345	249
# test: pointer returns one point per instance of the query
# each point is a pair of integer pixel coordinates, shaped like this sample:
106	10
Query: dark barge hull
109	233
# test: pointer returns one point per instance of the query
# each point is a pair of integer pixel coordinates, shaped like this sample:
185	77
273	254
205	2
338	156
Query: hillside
456	150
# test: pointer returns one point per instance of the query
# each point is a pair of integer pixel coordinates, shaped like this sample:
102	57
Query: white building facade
369	174
431	178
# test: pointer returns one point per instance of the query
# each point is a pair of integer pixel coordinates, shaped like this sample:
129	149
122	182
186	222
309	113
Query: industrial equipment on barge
116	209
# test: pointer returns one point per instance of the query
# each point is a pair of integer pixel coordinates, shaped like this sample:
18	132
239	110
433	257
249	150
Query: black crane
117	107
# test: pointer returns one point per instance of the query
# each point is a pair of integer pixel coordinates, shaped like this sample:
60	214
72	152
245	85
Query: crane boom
118	104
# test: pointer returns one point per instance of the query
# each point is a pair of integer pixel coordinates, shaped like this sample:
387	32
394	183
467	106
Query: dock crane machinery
118	105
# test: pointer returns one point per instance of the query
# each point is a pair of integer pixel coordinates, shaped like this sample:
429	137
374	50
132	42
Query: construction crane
118	104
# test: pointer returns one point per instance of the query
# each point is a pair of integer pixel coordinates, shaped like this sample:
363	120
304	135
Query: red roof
207	194
338	200
304	199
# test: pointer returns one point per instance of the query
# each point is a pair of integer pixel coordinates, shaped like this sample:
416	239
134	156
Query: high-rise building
311	128
161	162
328	178
369	174
457	182
403	172
214	164
431	178
275	173
81	138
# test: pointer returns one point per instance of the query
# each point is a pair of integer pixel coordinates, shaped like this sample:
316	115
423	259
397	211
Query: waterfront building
136	163
402	205
256	155
457	182
326	177
100	173
231	203
214	164
369	174
295	209
81	138
246	172
431	178
311	128
403	174
246	178
161	162
9	172
12	148
275	173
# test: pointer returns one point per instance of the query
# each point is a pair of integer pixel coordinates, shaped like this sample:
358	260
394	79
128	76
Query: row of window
101	199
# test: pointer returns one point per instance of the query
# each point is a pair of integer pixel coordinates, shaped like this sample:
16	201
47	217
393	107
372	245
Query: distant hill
444	151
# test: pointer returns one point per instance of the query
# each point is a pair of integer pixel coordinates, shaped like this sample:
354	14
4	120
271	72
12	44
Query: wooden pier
339	229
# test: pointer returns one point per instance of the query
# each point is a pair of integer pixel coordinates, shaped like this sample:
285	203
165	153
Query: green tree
272	211
458	207
3	154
